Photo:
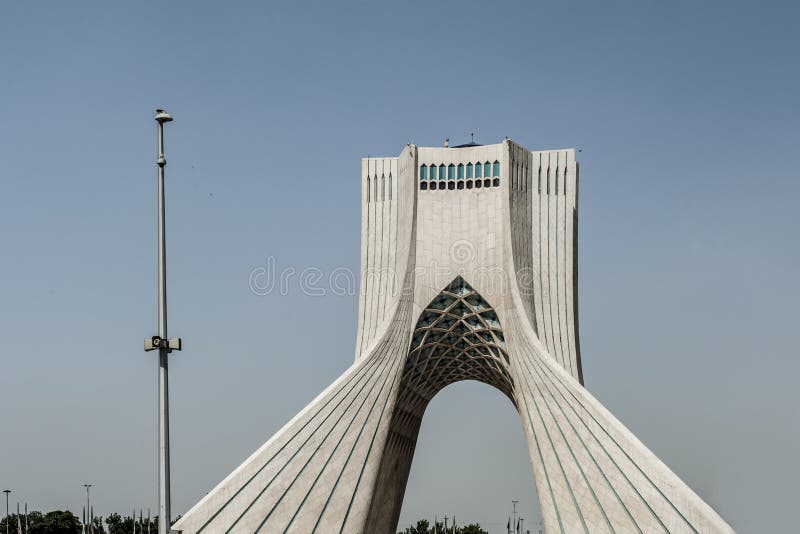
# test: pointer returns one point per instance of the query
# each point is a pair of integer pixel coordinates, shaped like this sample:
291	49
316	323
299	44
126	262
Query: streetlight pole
514	517
7	492
161	341
88	507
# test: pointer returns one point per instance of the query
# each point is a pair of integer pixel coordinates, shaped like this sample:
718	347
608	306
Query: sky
686	115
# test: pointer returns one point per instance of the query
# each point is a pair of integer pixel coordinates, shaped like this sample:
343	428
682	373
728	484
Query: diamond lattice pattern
457	337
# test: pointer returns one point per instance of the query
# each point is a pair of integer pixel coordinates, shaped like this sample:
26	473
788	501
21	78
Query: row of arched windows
477	183
453	172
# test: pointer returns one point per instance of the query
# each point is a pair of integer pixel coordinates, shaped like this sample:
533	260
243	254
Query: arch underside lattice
457	337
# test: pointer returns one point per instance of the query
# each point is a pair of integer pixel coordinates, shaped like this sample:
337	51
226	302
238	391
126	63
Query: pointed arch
457	337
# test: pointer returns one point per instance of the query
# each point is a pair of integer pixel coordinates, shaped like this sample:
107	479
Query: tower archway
471	460
458	336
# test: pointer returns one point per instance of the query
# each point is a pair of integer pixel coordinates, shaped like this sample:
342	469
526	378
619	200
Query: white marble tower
468	272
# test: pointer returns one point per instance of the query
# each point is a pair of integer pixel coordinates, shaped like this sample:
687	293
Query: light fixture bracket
156	342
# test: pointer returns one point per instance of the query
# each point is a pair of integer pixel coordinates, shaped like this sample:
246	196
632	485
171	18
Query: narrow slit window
442	171
433	172
478	169
539	181
556	181
460	171
469	170
451	172
548	180
496	168
487	169
423	172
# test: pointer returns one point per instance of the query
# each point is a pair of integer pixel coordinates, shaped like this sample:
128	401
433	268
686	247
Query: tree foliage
55	522
64	522
424	526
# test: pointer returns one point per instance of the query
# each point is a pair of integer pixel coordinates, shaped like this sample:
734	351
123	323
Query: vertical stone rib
561	230
544	273
570	265
536	217
552	263
362	290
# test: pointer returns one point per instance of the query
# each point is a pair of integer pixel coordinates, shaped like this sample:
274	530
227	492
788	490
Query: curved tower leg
390	485
592	474
317	474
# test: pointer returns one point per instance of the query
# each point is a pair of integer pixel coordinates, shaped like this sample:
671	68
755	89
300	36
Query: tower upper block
500	214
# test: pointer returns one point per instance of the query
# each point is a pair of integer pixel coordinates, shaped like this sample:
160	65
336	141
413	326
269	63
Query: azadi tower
468	272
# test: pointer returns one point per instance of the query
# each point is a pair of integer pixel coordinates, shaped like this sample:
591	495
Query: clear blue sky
687	117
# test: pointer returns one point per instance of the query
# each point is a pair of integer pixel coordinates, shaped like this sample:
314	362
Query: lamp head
162	116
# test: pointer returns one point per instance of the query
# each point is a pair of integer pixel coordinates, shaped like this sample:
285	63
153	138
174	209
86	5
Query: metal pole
7	520
164	516
514	517
88	507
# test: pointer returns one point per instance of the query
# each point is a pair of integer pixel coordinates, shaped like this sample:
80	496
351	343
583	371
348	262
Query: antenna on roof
472	137
446	142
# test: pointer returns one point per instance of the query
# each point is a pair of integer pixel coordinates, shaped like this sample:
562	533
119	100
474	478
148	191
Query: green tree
473	528
56	522
116	525
423	526
33	518
97	525
124	525
12	523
